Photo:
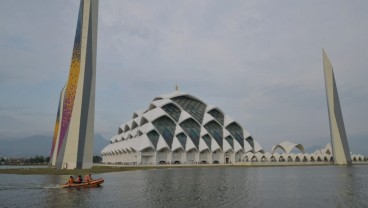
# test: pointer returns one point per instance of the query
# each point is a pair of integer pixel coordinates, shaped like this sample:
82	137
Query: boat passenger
71	180
88	178
79	179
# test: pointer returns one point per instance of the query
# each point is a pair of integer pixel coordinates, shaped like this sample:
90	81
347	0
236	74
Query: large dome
179	128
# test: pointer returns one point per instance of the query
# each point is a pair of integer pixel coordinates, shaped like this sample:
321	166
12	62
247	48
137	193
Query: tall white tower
72	145
340	146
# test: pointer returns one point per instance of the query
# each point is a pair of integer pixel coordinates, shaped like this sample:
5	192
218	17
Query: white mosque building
181	129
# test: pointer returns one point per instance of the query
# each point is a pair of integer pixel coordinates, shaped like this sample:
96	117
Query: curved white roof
287	146
181	121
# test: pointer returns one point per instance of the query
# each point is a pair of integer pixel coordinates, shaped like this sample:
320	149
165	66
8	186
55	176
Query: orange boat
93	183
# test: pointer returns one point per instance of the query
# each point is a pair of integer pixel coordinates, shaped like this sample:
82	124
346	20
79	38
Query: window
172	110
217	115
237	132
166	127
194	107
215	130
192	129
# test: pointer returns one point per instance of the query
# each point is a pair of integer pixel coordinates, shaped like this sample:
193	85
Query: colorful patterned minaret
72	145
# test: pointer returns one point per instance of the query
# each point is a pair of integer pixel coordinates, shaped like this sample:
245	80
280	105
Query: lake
319	186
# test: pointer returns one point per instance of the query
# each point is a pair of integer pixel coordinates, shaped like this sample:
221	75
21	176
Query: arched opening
305	159
134	125
297	159
163	156
325	159
263	159
191	156
289	159
177	156
229	157
217	155
204	156
319	159
273	159
238	155
147	156
254	159
281	159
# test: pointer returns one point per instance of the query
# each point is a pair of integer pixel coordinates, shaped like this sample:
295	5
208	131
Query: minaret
74	130
340	146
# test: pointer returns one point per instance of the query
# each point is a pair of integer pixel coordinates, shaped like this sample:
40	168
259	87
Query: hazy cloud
259	61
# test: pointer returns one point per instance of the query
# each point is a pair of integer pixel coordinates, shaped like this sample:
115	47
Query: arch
289	158
120	131
264	159
238	155
287	146
272	158
172	110
254	159
297	159
191	155
215	130
134	125
126	128
218	115
236	131
151	106
153	136
192	129
305	158
281	158
143	121
250	141
193	106
230	140
166	127
312	158
207	139
182	138
135	115
245	158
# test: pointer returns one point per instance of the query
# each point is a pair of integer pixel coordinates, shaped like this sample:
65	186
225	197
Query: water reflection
350	187
326	186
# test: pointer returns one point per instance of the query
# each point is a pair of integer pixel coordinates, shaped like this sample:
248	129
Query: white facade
179	128
340	146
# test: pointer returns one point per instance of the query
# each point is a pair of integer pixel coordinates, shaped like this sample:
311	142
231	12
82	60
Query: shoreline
109	168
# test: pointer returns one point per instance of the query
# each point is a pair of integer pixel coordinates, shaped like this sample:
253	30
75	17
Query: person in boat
71	180
79	179
88	178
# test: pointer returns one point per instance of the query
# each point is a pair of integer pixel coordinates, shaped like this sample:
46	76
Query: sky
259	61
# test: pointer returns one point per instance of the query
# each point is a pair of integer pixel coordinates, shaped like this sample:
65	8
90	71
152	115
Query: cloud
259	61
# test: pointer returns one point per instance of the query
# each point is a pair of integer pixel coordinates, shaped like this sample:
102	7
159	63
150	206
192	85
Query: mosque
176	128
179	128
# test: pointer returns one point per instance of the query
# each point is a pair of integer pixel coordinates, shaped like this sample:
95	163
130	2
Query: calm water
197	187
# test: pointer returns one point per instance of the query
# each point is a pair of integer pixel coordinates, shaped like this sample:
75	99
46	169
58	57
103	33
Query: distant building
179	128
72	145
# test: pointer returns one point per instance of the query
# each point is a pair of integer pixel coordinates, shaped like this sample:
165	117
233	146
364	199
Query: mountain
39	145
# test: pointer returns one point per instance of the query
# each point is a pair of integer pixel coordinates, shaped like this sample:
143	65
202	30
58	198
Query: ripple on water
197	187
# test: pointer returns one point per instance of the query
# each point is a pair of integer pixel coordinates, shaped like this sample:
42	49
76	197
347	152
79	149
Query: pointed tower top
326	61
